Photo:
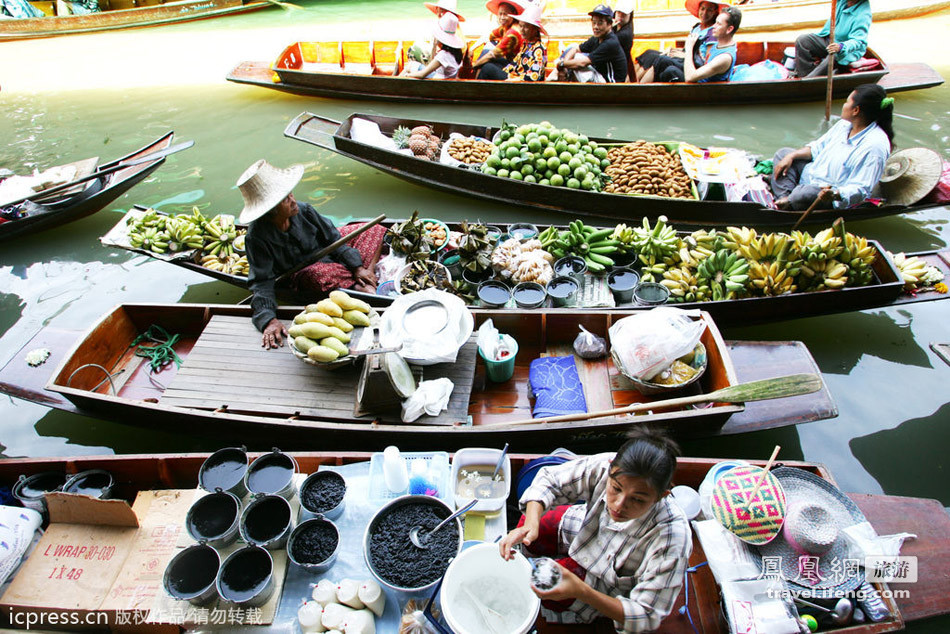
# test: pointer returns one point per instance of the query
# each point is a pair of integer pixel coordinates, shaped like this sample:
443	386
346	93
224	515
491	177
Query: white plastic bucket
504	586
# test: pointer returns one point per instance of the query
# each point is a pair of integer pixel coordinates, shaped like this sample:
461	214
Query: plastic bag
587	345
645	344
389	266
431	397
414	621
875	550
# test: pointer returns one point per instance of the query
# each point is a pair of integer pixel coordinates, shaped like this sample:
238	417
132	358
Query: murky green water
890	388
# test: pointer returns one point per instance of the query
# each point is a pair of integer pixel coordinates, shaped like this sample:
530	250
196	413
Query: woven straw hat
532	15
448	5
492	6
818	512
447	31
754	521
263	186
693	6
910	174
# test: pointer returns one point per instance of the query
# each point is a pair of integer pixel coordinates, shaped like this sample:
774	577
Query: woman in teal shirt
852	23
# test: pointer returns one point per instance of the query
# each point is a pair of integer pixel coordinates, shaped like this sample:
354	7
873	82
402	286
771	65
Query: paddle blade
779	387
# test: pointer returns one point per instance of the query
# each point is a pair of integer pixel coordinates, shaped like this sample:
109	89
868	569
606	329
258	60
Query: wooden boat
124	14
577	203
86	198
886	290
228	384
887	514
663	19
364	70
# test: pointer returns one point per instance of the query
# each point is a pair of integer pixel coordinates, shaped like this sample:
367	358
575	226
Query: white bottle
394	470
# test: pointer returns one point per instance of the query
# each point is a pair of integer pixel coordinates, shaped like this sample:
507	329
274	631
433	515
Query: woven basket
648	387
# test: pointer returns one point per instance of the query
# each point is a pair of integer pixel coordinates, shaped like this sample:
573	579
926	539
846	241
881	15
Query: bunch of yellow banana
710	240
149	238
691	252
221	232
685	286
736	237
916	272
230	264
623	234
149	218
825	245
183	234
653	267
660	240
820	275
726	273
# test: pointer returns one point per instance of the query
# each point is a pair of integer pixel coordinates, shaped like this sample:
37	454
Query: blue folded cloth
556	387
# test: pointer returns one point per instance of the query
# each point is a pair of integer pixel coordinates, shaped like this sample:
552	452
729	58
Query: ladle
840	615
422	541
485	489
491	617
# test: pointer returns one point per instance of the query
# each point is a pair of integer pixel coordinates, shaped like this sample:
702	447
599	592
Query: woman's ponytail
876	107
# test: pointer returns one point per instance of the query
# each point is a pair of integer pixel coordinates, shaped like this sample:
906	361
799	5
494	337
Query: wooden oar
315	257
768	465
832	57
765	389
145	158
805	213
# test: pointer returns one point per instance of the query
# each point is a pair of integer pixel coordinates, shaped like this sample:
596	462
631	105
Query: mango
330	308
342	323
304	344
349	303
335	344
317	331
339	334
356	318
320	318
312	308
295	331
322	354
299	319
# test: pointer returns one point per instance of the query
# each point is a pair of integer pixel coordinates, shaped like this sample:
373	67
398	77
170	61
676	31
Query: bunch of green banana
660	240
221	232
149	238
149	218
857	254
820	275
726	273
824	246
685	286
916	272
590	243
183	234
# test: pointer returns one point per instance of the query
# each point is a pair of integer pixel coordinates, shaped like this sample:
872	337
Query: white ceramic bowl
470	456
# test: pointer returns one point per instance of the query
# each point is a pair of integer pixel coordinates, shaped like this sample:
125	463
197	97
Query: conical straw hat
910	174
263	186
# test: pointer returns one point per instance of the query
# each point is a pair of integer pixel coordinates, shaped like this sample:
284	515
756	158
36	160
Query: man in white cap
281	234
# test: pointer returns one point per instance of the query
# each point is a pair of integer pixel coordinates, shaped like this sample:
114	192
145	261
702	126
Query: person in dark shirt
602	53
623	28
281	234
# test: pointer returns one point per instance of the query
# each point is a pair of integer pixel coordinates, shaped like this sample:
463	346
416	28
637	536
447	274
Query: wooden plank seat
227	368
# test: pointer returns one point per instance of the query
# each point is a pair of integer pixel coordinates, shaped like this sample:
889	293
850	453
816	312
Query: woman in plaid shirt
627	546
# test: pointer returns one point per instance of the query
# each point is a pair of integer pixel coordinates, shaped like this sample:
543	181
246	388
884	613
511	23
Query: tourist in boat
447	52
600	59
720	56
651	64
623	28
282	233
813	50
532	61
622	553
844	164
504	42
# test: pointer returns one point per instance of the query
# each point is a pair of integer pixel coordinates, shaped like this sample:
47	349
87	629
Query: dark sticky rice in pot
315	544
401	563
324	492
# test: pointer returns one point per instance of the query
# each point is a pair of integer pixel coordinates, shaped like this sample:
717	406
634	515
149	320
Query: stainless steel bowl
95	482
232	483
258	510
206	508
250	562
322	566
276	458
192	573
330	514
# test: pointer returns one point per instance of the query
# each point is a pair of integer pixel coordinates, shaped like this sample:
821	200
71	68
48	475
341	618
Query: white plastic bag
388	267
431	397
873	549
494	345
368	132
648	342
587	345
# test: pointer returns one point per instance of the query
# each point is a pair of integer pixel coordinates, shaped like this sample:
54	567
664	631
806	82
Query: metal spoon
485	489
422	541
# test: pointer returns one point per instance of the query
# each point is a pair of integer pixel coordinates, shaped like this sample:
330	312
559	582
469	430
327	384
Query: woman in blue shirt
813	50
843	165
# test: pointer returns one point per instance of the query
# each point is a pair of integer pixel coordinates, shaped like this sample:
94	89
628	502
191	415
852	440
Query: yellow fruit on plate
318	331
321	318
356	318
329	307
304	344
339	334
342	323
335	344
322	354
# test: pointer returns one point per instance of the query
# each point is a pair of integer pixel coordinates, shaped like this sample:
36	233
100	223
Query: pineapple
401	136
418	144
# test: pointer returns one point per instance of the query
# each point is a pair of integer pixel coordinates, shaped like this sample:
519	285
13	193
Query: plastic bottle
395	472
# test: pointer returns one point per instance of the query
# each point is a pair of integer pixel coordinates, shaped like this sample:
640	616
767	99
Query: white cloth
431	397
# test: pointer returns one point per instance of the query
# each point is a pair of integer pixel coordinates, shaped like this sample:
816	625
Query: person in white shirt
622	553
843	165
448	52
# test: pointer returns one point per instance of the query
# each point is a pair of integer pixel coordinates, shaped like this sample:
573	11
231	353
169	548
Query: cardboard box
99	564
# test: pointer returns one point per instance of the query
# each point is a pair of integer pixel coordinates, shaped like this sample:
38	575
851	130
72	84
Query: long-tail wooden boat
364	70
658	19
228	384
887	289
124	14
887	514
577	203
86	198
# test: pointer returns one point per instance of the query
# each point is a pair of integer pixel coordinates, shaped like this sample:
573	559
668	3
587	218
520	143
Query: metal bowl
232	482
322	566
386	510
330	514
191	575
276	457
95	482
264	507
39	484
206	508
241	567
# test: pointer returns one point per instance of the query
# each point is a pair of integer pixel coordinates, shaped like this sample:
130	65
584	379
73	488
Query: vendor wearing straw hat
447	52
530	63
281	234
843	165
622	553
506	40
442	7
